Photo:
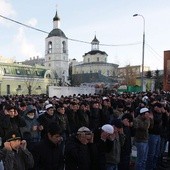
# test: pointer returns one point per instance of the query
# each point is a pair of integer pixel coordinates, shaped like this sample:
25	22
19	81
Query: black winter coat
47	156
77	155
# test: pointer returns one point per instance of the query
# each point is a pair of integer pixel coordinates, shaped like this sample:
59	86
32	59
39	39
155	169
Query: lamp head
135	15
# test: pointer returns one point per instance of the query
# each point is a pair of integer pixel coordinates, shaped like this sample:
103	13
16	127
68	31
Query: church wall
94	58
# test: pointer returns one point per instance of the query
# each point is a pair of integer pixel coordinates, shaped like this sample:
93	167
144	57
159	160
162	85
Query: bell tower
56	52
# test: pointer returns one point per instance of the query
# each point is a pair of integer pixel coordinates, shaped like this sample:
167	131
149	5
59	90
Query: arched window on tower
64	46
50	47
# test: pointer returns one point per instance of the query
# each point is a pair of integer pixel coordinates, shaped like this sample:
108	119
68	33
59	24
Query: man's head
61	109
49	109
74	106
158	107
23	106
14	139
54	133
95	105
118	125
30	111
107	131
144	112
9	110
84	135
127	119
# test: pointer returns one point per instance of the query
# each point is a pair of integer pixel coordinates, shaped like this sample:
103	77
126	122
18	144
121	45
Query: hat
117	123
108	128
144	110
30	109
48	106
12	135
104	98
84	129
145	98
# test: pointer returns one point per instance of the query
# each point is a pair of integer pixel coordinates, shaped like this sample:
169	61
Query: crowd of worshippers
84	132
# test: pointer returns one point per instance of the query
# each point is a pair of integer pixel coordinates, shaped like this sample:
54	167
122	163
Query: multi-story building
131	75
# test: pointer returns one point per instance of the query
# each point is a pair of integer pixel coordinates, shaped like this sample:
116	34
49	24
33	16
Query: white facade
66	91
95	61
56	51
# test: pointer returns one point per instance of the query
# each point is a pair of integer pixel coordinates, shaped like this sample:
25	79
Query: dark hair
9	107
128	116
117	123
54	129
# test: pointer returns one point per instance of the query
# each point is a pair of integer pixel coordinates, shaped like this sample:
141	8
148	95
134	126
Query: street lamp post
143	50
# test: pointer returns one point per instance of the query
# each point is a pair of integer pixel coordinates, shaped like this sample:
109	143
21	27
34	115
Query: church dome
57	32
94	52
95	41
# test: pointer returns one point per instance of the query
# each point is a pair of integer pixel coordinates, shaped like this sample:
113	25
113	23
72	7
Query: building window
19	87
64	46
6	71
8	89
49	58
50	47
88	60
99	71
98	59
18	71
105	60
49	65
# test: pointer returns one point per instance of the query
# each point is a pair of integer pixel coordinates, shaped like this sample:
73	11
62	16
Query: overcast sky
111	21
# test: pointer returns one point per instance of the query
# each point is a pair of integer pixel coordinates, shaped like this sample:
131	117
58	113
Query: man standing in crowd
127	120
141	124
72	115
62	121
95	115
15	155
10	120
154	137
103	140
113	153
46	118
48	153
77	151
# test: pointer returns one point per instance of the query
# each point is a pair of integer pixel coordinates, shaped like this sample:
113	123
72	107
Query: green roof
19	70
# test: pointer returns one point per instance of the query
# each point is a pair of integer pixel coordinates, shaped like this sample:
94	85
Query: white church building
56	53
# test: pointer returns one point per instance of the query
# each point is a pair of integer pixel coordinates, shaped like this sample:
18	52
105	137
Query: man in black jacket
10	120
48	153
77	151
15	155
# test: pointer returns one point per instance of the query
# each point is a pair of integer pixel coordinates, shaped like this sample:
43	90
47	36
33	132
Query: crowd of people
84	132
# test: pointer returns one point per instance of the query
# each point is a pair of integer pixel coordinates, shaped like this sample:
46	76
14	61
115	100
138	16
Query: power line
24	24
154	51
71	39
